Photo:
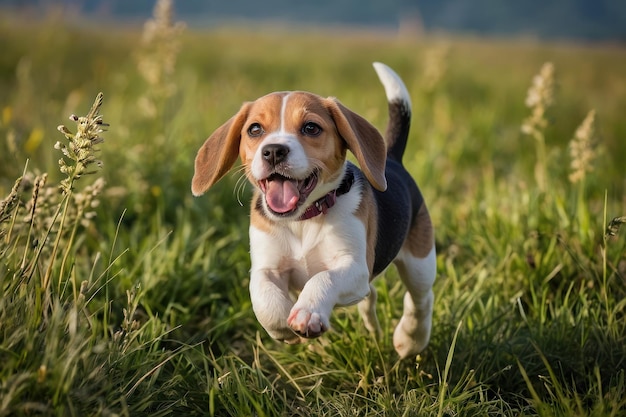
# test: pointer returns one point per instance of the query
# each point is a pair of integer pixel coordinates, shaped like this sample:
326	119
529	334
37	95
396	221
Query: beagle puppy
322	229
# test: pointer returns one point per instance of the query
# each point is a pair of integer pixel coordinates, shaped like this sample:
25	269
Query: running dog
321	228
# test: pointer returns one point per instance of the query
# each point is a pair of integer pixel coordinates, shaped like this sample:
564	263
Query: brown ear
219	153
363	140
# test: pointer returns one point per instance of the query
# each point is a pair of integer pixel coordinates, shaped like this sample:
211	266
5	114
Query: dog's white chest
299	251
296	253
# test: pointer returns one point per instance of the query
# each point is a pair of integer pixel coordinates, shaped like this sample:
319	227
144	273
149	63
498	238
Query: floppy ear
363	140
219	153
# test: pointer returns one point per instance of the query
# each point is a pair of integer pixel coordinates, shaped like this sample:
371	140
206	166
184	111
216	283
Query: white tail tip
393	84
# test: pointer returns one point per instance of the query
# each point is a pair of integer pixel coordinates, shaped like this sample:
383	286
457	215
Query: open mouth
284	195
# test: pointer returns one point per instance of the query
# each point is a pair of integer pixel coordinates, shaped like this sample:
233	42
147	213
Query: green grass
144	308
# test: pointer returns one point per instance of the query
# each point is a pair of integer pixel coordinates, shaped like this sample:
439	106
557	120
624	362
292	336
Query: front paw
307	323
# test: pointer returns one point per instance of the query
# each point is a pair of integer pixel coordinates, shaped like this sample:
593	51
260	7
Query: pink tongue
282	195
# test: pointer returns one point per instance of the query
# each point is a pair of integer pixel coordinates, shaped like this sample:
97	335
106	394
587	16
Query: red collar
322	205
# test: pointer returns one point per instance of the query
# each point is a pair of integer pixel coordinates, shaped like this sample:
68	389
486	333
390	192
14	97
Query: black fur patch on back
397	208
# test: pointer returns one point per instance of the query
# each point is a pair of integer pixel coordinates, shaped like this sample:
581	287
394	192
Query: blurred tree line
565	19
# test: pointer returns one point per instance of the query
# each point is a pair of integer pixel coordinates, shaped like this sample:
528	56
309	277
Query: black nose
274	154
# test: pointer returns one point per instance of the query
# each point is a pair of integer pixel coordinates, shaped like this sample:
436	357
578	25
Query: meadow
123	295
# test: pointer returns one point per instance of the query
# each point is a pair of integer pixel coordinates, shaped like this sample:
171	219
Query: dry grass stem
156	61
79	155
539	98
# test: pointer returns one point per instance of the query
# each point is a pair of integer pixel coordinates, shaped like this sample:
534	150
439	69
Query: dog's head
293	147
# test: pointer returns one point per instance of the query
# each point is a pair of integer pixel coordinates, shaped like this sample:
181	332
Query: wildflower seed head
582	149
156	60
539	98
87	200
38	186
613	227
79	153
10	201
84	287
69	135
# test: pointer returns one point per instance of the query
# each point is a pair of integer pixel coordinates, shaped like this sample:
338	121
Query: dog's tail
399	111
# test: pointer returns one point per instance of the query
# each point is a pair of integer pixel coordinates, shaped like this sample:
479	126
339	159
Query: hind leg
417	267
367	309
418	275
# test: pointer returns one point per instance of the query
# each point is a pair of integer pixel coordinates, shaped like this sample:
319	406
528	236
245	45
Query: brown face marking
326	150
420	239
258	217
266	112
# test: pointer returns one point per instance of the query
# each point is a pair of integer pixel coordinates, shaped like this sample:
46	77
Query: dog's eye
255	130
311	129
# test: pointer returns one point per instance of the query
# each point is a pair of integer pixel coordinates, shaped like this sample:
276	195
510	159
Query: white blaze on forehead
283	109
282	129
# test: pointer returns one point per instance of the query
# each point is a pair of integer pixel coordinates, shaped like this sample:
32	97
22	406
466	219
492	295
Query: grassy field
122	295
